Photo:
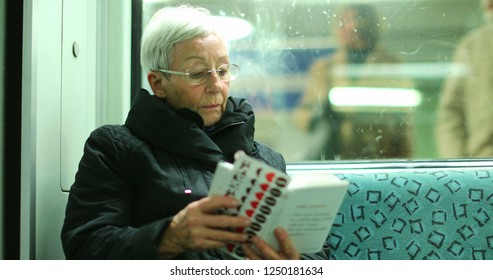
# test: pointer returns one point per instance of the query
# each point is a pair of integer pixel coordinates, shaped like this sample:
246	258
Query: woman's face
209	98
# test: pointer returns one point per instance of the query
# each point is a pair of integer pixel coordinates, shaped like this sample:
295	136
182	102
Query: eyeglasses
199	75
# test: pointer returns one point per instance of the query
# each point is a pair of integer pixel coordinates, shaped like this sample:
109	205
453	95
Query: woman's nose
213	81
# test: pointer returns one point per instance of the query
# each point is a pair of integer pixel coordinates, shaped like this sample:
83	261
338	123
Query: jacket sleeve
98	214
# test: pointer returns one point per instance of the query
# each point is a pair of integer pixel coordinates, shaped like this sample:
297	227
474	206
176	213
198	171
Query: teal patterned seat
415	215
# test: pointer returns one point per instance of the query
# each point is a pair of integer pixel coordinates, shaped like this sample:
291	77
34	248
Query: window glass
341	80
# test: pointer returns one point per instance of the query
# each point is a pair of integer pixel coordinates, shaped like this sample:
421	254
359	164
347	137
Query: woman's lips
211	107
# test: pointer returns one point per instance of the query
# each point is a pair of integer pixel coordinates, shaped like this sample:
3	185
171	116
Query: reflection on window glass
342	80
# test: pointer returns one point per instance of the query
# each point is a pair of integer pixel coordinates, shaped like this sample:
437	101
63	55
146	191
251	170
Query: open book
303	204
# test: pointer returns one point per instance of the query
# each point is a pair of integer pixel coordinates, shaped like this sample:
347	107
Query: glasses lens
197	75
228	72
225	72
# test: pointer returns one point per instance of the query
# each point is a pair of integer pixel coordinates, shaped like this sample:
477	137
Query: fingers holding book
262	250
198	227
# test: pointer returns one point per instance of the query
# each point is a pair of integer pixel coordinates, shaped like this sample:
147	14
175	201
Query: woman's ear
157	85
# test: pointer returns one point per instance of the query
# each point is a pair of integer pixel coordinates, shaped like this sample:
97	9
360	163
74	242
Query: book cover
305	204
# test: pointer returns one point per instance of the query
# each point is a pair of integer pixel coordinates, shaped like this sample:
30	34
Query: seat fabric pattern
415	215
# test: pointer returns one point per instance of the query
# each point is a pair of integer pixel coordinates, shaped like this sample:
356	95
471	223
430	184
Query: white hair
169	26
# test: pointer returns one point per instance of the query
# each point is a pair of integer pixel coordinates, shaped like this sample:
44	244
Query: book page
312	205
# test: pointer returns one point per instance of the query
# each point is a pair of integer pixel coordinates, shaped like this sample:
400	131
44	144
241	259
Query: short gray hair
168	27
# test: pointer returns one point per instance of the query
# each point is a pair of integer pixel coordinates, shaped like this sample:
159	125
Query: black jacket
132	178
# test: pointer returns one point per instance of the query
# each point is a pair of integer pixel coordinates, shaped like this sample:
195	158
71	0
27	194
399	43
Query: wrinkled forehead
211	49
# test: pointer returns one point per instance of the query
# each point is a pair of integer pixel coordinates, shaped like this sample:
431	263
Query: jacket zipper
226	126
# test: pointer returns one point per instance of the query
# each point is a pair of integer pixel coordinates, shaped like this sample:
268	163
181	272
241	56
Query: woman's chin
211	119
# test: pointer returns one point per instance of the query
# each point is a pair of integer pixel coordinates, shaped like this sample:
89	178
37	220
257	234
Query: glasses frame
209	71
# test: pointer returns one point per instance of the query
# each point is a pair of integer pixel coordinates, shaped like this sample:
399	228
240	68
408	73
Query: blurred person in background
340	135
464	125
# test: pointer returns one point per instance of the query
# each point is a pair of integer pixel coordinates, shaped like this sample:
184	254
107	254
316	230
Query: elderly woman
141	188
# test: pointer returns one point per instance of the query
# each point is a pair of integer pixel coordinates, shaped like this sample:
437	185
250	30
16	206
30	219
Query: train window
345	80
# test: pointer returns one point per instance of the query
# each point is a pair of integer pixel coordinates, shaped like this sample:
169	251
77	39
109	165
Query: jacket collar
181	132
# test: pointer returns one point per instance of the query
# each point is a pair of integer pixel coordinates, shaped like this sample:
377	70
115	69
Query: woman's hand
198	227
287	249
